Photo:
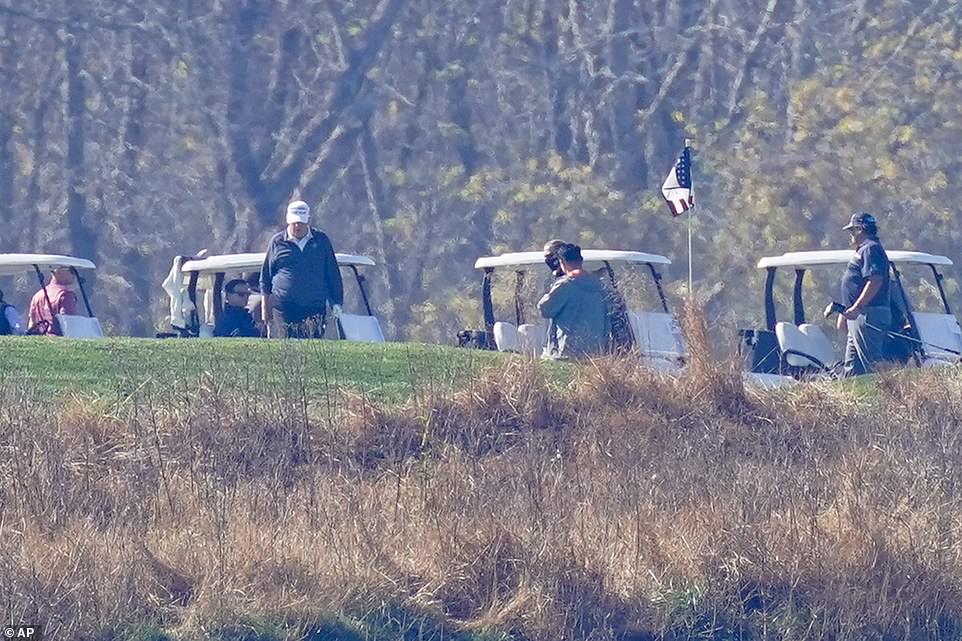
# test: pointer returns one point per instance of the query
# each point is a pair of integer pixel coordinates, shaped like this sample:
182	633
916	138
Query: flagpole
691	213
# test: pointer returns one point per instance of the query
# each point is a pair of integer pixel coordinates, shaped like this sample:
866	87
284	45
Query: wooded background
429	132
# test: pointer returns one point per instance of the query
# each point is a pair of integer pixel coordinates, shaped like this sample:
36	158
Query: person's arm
250	328
16	323
868	292
227	324
874	264
222	328
552	302
332	274
32	316
68	304
267	276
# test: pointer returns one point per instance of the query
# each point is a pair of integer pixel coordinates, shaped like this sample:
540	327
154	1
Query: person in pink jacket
58	297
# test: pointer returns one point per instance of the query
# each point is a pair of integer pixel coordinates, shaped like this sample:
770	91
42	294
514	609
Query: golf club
837	308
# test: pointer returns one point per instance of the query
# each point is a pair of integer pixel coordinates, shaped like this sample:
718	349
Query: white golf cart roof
253	261
16	263
842	256
519	259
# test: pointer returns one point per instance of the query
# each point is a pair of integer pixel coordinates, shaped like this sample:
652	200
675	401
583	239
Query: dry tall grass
626	506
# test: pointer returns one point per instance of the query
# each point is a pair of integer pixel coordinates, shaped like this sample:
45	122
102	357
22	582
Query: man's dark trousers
864	349
297	325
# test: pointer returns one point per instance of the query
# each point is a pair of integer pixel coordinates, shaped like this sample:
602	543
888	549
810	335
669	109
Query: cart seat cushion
73	326
819	343
506	336
939	331
361	328
657	334
796	346
531	338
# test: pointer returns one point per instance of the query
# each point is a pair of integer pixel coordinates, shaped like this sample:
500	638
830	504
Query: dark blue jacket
301	283
236	322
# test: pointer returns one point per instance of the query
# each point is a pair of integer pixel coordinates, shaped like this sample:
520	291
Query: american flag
677	189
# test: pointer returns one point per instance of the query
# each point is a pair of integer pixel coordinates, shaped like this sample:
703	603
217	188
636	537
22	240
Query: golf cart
195	288
71	325
653	334
801	349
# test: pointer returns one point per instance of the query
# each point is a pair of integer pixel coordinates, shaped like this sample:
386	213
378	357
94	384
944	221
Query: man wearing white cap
299	278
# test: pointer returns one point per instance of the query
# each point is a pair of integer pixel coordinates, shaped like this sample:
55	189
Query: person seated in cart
57	297
10	322
236	320
577	309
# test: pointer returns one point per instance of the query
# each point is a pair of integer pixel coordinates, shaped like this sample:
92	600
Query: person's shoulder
560	283
596	282
595	278
586	279
277	237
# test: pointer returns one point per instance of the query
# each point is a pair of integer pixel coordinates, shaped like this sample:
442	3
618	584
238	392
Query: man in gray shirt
865	294
576	306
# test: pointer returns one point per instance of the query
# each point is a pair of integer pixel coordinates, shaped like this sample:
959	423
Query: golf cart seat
939	333
797	348
820	344
205	330
656	335
357	327
531	338
73	326
506	336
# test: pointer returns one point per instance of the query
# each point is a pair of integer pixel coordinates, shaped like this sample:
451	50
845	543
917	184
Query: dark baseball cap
863	220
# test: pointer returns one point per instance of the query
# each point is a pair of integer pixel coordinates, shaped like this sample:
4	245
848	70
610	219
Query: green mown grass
390	371
386	372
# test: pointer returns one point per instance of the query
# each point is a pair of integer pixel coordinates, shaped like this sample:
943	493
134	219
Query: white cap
298	212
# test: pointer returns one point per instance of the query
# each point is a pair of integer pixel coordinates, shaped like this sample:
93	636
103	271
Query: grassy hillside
618	506
625	507
119	365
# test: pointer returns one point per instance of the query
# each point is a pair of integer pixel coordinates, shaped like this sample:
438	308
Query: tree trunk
382	212
135	259
8	60
632	169
83	239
